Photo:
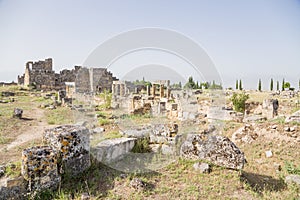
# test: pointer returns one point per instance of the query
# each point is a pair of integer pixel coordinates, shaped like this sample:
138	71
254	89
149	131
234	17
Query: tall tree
271	85
282	88
259	85
240	85
277	87
237	85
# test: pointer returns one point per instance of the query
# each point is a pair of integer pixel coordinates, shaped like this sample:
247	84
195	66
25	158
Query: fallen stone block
13	188
39	168
218	150
108	151
72	143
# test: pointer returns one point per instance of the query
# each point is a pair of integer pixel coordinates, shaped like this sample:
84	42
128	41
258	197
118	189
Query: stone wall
94	80
88	80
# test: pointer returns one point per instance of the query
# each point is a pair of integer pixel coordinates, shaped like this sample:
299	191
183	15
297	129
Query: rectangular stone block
39	167
72	143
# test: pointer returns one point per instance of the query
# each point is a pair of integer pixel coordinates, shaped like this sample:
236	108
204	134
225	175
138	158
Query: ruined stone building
87	80
94	80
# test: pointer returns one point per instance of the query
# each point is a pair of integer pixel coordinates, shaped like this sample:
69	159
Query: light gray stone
293	178
216	149
98	130
202	167
114	149
269	154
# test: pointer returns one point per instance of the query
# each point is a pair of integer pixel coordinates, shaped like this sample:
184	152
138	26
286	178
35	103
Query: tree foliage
271	85
238	101
259	85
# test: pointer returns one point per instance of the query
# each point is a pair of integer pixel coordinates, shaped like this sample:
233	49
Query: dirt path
33	132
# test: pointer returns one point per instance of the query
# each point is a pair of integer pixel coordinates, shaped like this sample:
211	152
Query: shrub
239	100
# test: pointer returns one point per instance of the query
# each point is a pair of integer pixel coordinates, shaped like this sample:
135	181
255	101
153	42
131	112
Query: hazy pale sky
246	40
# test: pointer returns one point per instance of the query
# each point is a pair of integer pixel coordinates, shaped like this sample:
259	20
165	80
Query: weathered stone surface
111	150
137	133
13	188
246	134
98	130
254	118
39	168
72	142
138	184
18	113
295	117
202	167
217	149
293	178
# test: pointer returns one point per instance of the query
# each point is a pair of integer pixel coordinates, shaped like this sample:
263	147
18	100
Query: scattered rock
98	130
274	126
18	113
293	178
287	129
295	117
293	128
202	167
277	167
2	172
216	149
245	134
85	196
269	154
123	176
138	184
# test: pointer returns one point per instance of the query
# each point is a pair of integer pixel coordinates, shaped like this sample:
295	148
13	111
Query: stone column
113	90
117	89
161	90
153	89
168	92
122	89
148	90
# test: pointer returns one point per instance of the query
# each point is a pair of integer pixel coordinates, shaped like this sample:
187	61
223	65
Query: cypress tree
259	85
271	85
277	87
237	85
240	86
283	85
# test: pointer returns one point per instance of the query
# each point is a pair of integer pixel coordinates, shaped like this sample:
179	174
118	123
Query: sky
247	40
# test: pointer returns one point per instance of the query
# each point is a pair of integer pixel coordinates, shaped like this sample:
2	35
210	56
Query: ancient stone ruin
41	75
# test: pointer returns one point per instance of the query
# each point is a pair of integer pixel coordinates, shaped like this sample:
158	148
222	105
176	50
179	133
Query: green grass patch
14	169
291	168
59	116
103	121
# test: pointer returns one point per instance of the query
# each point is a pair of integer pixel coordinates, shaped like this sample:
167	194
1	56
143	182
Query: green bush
239	100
